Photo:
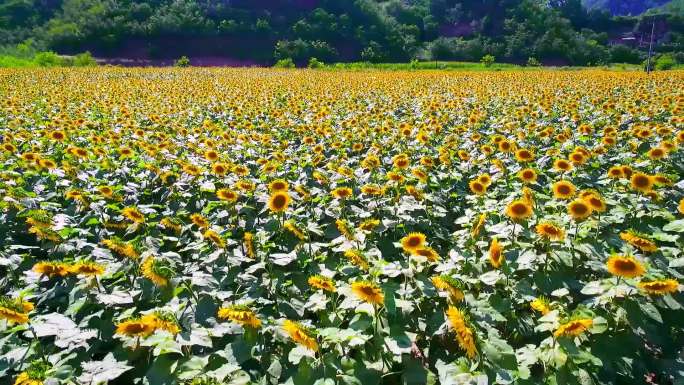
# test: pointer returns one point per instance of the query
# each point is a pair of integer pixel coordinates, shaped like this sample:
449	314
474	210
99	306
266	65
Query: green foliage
84	60
665	62
183	61
340	30
7	61
284	63
48	59
300	51
315	63
533	62
488	60
26	55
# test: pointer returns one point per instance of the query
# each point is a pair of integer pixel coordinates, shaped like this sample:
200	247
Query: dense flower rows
235	226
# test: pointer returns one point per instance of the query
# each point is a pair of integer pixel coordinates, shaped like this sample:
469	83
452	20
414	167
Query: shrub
183	61
665	62
84	60
284	63
487	60
533	62
48	59
315	63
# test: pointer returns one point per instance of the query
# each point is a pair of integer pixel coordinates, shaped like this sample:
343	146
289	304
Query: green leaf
499	352
650	310
192	367
95	372
675	226
414	373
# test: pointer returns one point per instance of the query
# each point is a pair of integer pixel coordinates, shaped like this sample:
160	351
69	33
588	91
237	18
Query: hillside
624	7
262	31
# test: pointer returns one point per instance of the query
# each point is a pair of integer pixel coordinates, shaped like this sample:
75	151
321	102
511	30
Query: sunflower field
261	226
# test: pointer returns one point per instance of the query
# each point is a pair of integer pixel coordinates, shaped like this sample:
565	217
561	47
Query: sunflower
680	208
301	334
371	189
519	210
641	182
505	146
656	153
615	172
640	242
248	241
215	238
550	231
412	242
574	327
133	214
227	195
420	174
15	310
323	283
368	292
163	321
356	258
524	155
294	230
51	269
427	252
172	224
477	187
485	179
138	327
199	220
157	270
47	163
279	201
35	374
87	268
496	257
58	135
464	334
627	171
169	177
527	175
449	285
240	170
344	228
401	161
577	157
219	169
528	195
661	180
478	226
244	185
563	189
240	314
211	155
369	224
594	200
625	266
579	210
659	287
106	191
342	193
541	305
278	185
122	248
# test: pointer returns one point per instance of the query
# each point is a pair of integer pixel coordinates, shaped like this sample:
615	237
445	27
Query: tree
183	61
487	60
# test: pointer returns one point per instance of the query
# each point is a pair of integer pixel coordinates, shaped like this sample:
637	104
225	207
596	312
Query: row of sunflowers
260	226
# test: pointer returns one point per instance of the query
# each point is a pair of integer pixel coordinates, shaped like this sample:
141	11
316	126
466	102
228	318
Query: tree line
264	31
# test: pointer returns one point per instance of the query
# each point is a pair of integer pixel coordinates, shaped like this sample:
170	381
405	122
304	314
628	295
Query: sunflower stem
37	341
